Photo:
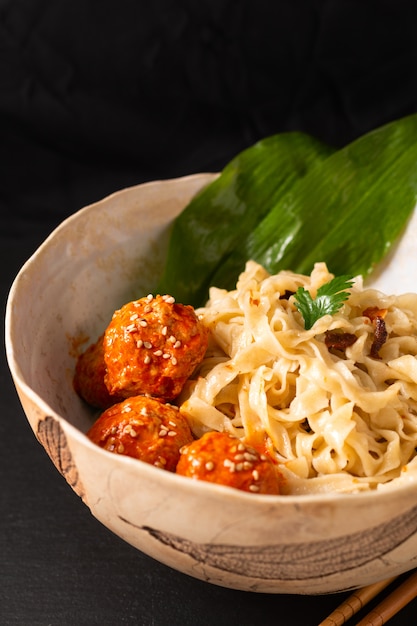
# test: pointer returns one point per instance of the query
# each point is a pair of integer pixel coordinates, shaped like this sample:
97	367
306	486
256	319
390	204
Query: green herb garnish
330	298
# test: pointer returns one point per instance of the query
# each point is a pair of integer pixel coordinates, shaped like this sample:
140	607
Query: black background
95	97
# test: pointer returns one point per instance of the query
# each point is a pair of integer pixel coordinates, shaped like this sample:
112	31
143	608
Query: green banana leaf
223	214
347	212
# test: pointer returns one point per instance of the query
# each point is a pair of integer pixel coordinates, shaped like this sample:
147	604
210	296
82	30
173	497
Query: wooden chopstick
355	602
392	604
388	607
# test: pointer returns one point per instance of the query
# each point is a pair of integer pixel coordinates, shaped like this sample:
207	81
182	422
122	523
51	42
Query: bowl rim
186	484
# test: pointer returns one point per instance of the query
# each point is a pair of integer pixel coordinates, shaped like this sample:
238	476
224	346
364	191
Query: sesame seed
114	430
158	352
228	463
120	448
134	317
171	423
241	447
168	299
209	466
144	411
143	323
147	308
147	344
239	467
250	457
162	460
172	339
163	432
255	474
164	331
139	343
239	457
171	433
166	355
149	297
133	432
247	465
147	359
174	360
130	328
254	488
177	344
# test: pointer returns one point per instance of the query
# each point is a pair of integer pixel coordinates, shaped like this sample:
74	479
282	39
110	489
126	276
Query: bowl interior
99	258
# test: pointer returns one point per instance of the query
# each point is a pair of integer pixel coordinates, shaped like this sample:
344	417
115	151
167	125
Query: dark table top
93	100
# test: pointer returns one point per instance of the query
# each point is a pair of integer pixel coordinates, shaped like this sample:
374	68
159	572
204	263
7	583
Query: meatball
88	378
144	428
218	457
151	346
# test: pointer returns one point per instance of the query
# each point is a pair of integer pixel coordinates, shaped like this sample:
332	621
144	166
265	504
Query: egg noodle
334	419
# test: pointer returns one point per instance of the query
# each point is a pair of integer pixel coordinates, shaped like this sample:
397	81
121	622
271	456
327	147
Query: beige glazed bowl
100	258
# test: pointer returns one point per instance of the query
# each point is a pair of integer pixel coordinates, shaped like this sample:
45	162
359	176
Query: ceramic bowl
110	253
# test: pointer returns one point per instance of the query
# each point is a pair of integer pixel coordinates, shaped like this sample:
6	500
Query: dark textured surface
93	99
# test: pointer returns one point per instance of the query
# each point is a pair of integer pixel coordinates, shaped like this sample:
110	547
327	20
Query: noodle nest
335	419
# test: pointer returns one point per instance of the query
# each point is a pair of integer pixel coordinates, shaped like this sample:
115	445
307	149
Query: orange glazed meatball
221	458
89	377
152	346
144	428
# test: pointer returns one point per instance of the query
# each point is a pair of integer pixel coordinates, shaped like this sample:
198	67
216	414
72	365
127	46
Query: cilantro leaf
330	297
